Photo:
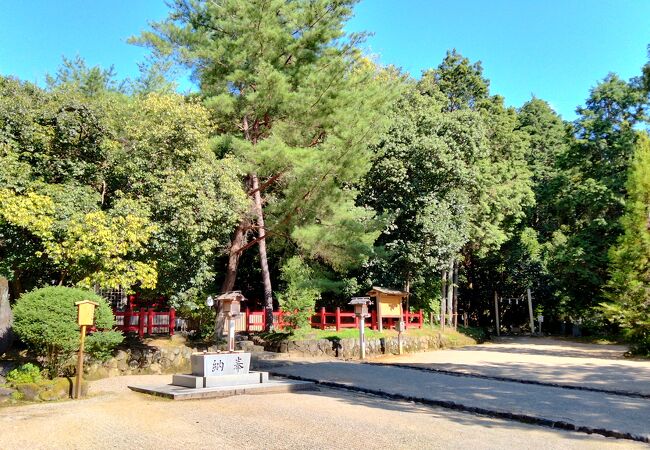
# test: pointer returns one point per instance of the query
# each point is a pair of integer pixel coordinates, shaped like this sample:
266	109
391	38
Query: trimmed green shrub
46	320
27	373
100	345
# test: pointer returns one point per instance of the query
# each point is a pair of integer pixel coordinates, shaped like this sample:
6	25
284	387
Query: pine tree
295	100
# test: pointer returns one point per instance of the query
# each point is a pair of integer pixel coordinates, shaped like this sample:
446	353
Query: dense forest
302	172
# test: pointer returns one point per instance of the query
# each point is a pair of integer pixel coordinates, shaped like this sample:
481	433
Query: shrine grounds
333	418
326	419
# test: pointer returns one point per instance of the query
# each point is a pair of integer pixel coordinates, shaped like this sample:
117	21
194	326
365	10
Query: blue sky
556	50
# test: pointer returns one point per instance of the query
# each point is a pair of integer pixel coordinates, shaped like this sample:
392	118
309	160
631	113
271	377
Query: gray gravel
542	360
329	419
614	413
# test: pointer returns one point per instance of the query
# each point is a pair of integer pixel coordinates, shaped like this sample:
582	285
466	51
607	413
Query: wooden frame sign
86	313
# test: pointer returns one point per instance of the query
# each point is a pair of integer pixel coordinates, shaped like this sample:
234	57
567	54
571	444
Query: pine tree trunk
266	275
6	318
237	243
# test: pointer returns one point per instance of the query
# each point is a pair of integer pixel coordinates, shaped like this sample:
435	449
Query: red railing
254	321
146	321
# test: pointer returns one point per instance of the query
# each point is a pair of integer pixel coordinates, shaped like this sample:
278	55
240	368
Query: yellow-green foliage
31	211
98	240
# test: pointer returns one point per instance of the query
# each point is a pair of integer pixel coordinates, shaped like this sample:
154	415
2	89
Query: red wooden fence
146	321
338	320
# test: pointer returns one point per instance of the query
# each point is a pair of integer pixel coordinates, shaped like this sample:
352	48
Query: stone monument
221	374
221	369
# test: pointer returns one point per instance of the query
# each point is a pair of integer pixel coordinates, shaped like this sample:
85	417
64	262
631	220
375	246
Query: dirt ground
115	417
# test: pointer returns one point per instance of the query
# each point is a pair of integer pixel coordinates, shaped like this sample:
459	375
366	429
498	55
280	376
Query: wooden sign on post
85	317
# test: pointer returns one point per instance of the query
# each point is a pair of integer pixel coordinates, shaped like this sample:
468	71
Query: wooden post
80	362
380	319
248	315
172	321
150	321
443	300
337	317
530	312
496	312
455	296
421	319
362	336
450	293
141	319
322	318
373	320
127	319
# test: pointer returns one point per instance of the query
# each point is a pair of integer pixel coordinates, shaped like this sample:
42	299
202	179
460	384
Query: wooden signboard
86	313
390	306
389	303
85	318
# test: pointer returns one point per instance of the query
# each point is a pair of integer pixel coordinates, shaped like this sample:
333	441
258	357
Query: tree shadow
590	410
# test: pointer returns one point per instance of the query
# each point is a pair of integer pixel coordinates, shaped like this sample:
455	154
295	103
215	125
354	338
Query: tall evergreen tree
591	197
629	285
294	99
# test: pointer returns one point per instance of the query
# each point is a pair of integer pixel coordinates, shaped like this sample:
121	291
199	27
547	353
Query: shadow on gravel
591	412
413	408
611	377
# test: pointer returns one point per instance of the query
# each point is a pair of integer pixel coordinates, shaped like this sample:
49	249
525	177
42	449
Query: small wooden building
389	304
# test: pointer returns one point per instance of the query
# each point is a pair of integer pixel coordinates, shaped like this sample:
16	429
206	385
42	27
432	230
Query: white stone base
198	382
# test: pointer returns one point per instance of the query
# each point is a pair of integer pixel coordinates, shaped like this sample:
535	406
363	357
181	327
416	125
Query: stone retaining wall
349	348
142	360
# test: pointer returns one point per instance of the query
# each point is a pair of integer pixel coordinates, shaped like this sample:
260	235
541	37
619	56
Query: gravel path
115	417
592	410
542	360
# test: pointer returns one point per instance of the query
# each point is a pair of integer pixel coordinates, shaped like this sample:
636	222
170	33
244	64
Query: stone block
234	380
190	381
220	364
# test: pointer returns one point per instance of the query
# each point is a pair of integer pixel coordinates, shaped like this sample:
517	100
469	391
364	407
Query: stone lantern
231	307
361	310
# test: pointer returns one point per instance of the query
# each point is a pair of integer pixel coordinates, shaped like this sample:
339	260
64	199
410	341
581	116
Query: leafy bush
101	344
27	373
299	298
46	320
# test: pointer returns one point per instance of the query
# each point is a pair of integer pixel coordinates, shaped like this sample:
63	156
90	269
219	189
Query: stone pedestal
220	370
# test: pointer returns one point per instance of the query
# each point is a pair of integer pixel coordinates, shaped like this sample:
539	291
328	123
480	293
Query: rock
29	391
113	373
62	387
165	363
155	368
121	355
6	392
134	364
99	373
122	365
